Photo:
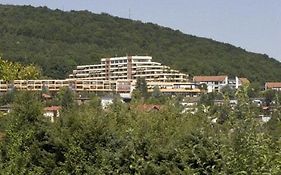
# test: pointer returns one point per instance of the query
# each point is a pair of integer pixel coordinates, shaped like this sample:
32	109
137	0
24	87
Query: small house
52	112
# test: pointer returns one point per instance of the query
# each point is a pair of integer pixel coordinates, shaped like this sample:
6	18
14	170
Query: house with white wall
213	83
52	112
216	83
273	85
236	82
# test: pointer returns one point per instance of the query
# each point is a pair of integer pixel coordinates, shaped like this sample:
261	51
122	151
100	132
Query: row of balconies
37	85
89	69
135	73
90	85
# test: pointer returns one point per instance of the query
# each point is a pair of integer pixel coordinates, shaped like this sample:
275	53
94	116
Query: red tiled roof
273	85
148	107
52	108
46	96
209	78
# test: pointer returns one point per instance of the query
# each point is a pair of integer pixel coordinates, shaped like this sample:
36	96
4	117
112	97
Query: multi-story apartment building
118	74
128	68
122	73
55	85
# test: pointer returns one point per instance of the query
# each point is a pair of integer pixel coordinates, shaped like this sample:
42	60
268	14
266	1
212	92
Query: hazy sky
254	25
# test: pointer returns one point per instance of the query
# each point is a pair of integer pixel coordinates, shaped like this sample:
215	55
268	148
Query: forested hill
58	41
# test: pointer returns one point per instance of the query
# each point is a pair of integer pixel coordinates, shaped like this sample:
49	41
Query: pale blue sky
254	25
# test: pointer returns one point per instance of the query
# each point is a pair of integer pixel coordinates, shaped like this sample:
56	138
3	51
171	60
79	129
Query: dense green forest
57	41
123	139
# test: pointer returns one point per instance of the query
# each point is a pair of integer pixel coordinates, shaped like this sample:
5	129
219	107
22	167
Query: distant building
52	112
128	68
6	108
236	82
114	75
216	83
46	96
121	73
241	82
149	107
106	102
273	86
213	83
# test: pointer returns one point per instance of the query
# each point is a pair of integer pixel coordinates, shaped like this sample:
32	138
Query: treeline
57	41
123	139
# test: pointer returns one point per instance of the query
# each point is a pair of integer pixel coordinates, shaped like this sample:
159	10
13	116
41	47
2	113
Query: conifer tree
141	88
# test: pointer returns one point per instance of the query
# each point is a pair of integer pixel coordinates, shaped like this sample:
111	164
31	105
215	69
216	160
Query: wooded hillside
57	41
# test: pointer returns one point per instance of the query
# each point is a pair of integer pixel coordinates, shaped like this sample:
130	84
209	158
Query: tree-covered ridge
58	41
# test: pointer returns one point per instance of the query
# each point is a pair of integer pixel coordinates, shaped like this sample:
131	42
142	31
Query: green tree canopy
15	71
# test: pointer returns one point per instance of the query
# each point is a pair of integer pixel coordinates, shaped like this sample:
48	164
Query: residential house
149	107
213	83
52	112
216	83
273	86
236	82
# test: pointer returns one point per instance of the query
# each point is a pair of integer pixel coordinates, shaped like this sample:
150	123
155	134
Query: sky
254	25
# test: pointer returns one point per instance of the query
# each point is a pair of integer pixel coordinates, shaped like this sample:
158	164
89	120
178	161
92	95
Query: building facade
123	73
273	85
213	83
117	74
216	83
128	68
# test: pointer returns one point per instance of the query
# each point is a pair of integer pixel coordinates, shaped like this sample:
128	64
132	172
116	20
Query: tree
26	147
14	71
124	140
228	91
141	88
8	97
156	93
208	98
254	90
269	96
66	98
156	96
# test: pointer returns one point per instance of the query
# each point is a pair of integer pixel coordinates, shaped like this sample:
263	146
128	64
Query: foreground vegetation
57	41
125	140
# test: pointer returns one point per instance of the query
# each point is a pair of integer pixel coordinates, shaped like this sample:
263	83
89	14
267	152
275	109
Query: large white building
128	68
117	74
216	83
122	73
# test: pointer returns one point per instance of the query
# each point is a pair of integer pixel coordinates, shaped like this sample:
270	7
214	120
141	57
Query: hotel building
128	68
117	74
